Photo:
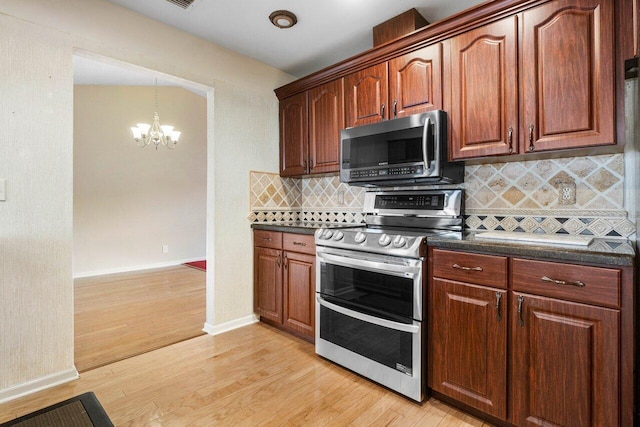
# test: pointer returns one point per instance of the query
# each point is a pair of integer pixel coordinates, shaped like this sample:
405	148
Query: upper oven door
378	285
404	148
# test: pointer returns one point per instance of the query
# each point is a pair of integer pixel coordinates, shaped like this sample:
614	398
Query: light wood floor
125	314
255	375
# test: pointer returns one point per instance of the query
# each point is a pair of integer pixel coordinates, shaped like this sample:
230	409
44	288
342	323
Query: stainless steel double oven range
370	301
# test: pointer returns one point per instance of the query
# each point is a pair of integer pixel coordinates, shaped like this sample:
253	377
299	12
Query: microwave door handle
427	142
403	327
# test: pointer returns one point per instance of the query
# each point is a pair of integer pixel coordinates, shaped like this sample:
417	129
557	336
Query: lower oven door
382	350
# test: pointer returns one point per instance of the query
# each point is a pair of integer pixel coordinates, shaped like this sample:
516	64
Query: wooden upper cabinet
484	91
326	119
293	135
568	66
366	94
415	82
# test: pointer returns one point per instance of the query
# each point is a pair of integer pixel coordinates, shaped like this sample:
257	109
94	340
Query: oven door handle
373	266
403	327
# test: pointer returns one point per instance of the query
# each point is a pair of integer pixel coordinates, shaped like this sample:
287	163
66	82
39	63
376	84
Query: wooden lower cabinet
284	281
565	363
554	345
468	346
299	292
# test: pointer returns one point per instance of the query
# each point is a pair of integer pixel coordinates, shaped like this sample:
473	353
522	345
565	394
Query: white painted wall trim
231	325
39	384
135	268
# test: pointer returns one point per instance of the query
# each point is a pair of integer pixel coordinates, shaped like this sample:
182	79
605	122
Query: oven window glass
386	346
368	290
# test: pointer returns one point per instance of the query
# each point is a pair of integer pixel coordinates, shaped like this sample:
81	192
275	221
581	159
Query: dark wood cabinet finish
366	94
267	283
468	344
568	67
294	144
565	363
326	119
566	342
284	281
415	82
299	292
489	270
484	91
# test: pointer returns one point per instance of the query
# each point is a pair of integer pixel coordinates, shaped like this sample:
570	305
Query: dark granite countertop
301	227
615	252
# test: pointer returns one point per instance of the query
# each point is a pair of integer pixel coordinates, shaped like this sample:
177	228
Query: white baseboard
39	384
229	326
134	268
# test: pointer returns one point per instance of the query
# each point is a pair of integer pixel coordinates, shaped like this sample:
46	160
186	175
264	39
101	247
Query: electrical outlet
165	249
567	194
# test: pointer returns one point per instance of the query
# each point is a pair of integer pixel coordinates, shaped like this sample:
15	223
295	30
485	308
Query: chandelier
145	134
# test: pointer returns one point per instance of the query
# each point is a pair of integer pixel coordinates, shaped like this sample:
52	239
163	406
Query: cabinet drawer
591	285
303	243
489	270
267	239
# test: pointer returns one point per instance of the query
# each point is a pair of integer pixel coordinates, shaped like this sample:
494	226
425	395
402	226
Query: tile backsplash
575	195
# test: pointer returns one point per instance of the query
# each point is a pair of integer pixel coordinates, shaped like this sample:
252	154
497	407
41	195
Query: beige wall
130	201
37	42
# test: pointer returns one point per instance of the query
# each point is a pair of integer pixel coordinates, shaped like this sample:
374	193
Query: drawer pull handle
267	239
299	244
520	319
577	283
498	298
461	267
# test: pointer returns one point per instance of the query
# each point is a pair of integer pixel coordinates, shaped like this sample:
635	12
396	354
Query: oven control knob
327	234
360	237
319	232
384	240
338	236
399	242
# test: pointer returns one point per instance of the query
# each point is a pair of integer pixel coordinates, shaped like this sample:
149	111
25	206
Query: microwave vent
182	3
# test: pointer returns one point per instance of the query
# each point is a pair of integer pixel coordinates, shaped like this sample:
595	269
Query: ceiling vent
182	3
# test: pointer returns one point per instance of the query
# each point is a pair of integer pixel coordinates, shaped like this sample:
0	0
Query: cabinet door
415	82
299	292
267	283
484	91
293	135
326	119
366	96
565	362
567	64
468	344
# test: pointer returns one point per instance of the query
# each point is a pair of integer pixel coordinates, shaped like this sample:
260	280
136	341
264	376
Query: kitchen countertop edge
559	253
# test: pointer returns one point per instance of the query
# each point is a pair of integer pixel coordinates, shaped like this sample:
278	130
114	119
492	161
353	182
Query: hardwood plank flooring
126	314
252	376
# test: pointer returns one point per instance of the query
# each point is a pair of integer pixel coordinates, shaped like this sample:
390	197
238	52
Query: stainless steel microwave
410	150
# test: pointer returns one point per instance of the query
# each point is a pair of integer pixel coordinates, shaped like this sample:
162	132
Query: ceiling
327	32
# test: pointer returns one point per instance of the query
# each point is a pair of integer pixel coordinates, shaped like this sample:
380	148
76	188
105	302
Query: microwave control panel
384	172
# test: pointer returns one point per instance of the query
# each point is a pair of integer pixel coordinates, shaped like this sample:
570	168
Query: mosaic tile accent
598	183
515	196
271	192
328	193
611	227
